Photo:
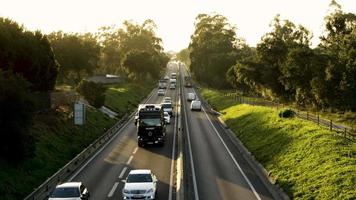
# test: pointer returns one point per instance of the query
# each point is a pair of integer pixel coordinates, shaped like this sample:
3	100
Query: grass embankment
125	97
58	140
307	161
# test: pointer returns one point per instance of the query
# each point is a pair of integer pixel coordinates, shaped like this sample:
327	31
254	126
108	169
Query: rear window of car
65	192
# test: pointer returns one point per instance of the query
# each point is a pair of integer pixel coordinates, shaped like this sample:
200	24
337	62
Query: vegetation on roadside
306	160
58	140
94	93
125	97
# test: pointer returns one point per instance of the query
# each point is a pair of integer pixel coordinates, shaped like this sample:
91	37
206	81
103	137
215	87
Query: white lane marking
196	195
111	193
122	172
104	146
135	150
173	151
233	158
129	161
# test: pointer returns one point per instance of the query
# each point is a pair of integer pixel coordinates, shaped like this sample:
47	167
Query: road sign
79	113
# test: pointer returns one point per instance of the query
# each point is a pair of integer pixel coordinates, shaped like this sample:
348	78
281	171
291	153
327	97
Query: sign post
79	113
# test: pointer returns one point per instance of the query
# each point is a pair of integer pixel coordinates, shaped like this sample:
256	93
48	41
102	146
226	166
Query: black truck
151	127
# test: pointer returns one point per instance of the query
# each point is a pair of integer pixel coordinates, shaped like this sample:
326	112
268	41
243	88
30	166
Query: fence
346	132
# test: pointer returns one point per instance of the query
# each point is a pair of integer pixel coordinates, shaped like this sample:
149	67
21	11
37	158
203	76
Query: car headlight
150	190
125	191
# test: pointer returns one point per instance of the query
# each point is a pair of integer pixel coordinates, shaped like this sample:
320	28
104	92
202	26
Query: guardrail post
318	120
345	133
307	115
331	125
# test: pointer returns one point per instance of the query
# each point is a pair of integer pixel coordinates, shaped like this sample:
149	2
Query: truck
162	84
187	81
150	123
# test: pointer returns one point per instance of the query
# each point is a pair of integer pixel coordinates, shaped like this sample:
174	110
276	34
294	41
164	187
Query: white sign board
79	114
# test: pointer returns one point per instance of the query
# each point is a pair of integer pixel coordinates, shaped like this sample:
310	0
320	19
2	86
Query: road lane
104	173
216	173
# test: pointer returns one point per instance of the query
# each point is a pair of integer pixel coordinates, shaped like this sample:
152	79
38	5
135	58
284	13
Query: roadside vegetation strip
306	160
123	98
57	142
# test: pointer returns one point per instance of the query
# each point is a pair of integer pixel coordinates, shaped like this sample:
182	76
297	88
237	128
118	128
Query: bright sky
174	18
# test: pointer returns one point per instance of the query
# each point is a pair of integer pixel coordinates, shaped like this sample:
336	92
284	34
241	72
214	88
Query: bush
94	93
16	112
286	113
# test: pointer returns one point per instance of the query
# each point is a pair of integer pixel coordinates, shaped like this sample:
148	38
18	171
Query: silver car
70	190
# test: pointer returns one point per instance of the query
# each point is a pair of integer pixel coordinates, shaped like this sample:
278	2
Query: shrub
94	93
286	113
16	112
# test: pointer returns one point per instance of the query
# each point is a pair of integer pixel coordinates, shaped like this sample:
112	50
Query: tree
27	53
77	54
212	49
16	111
144	53
340	71
94	93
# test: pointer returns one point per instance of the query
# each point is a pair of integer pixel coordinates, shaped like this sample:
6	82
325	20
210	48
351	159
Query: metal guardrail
346	132
43	191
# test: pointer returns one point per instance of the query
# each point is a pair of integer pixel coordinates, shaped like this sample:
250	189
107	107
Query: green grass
307	161
125	97
59	141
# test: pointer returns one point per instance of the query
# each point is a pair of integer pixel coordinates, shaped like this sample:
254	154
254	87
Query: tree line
33	63
283	66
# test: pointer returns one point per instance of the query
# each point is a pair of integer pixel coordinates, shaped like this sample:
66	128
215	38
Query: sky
174	18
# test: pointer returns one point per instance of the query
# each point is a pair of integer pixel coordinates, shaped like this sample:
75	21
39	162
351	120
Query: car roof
140	171
69	184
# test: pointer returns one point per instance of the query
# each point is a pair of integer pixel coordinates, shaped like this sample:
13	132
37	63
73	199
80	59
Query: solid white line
173	151
129	161
196	195
135	150
233	158
122	172
113	189
104	146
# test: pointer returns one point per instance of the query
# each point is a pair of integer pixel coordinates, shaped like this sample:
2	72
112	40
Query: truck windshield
150	122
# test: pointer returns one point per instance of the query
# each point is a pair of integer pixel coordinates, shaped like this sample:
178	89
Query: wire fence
345	131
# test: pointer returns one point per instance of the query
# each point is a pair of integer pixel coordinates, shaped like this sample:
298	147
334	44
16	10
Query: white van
190	96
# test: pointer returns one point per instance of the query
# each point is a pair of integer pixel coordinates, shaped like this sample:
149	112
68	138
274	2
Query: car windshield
65	192
166	105
166	114
139	178
150	122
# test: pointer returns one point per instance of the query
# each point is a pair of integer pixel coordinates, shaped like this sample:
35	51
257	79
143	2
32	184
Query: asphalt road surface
215	168
103	174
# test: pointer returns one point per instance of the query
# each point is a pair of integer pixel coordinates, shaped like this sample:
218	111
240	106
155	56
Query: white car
70	191
167	99
195	105
167	107
140	184
167	118
172	86
191	96
160	92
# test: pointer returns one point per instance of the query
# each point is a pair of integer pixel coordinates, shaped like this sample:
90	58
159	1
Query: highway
217	170
103	174
213	167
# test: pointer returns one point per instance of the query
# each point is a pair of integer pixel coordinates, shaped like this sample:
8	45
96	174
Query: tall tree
212	49
27	53
77	54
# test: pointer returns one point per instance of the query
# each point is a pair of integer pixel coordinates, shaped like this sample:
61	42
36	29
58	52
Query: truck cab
150	123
